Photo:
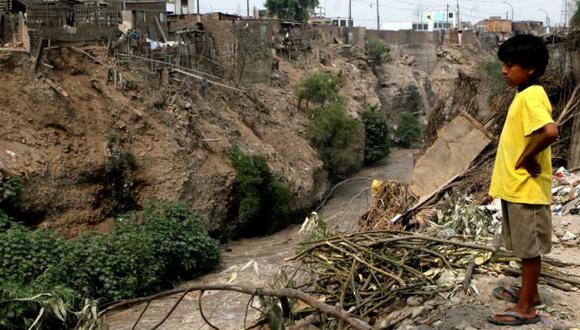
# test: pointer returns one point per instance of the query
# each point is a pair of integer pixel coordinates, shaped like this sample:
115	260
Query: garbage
565	192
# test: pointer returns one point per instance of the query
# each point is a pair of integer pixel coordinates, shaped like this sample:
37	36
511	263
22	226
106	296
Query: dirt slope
54	131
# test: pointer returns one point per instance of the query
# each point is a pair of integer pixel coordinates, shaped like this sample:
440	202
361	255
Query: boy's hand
530	164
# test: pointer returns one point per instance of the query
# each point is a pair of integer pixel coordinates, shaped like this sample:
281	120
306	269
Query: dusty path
226	310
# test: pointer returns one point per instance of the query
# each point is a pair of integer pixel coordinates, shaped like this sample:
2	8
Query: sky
364	12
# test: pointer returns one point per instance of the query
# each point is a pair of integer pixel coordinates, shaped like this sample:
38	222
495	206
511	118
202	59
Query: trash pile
390	199
465	219
565	193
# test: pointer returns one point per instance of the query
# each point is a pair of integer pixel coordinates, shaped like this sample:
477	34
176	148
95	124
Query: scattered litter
568	236
11	153
565	192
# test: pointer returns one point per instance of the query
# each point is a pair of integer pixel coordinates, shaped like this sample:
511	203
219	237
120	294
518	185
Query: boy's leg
529	291
527	231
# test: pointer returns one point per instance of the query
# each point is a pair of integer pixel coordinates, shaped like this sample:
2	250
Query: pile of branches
390	199
368	271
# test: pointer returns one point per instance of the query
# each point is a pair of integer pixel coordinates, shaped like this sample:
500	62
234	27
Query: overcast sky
364	11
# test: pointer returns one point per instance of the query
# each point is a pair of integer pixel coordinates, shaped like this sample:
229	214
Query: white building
438	20
431	21
397	26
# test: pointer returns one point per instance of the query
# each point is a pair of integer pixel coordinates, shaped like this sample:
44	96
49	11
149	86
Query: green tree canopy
297	10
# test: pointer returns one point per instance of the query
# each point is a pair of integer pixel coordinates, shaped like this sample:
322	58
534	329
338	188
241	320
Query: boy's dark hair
527	51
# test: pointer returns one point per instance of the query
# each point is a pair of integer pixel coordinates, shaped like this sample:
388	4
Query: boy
522	174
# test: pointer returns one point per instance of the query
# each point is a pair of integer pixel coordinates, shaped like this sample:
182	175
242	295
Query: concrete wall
422	45
242	48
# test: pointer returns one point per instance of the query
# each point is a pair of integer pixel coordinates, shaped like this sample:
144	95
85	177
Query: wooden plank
160	28
14	50
574	161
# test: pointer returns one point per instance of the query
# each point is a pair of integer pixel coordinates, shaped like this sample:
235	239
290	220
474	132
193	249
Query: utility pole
547	20
349	10
248	8
198	17
378	17
512	7
458	17
447	17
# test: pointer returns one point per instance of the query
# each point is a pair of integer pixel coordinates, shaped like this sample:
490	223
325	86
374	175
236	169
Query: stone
414	301
568	236
418	311
437	324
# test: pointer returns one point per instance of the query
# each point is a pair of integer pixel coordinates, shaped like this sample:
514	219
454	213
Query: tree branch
337	312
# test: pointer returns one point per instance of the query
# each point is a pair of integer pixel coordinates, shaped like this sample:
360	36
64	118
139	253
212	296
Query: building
439	20
430	21
342	22
399	26
528	27
494	24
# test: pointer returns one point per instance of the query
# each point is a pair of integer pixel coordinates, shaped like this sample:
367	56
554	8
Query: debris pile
367	272
464	219
390	199
565	193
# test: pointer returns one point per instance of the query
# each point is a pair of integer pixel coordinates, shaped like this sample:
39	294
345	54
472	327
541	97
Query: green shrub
408	131
377	50
575	20
10	189
377	142
492	77
145	251
319	88
261	203
333	133
117	169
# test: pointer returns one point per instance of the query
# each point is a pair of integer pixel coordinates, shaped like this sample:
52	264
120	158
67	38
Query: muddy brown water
256	261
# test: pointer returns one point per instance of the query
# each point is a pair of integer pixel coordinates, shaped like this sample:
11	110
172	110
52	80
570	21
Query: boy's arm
540	140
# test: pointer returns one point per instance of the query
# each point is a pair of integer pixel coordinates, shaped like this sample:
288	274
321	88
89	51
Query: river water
256	261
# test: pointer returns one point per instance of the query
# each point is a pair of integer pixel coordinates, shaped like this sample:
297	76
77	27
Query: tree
319	88
377	142
575	20
297	10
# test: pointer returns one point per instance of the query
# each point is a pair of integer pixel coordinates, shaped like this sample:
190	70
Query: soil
55	124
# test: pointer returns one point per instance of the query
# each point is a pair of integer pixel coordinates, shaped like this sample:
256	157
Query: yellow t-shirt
530	110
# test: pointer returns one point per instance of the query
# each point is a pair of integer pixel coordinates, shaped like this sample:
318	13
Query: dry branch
337	312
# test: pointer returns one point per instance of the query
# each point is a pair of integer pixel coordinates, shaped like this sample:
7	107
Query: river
263	258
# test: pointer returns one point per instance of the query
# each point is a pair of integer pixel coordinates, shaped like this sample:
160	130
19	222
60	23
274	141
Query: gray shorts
526	229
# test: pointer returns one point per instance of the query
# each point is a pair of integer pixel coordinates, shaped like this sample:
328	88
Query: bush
145	251
261	203
319	88
117	169
575	20
408	131
377	50
493	78
332	132
377	143
10	189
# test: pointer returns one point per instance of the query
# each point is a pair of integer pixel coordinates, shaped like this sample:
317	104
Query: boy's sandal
514	294
516	319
